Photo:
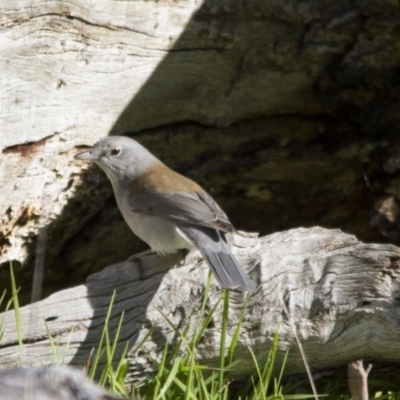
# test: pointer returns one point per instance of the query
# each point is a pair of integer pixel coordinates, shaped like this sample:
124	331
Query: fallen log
341	297
55	383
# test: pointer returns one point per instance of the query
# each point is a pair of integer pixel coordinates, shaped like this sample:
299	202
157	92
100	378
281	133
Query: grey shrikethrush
166	210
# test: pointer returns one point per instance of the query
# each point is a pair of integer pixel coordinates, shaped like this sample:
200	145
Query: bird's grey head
120	157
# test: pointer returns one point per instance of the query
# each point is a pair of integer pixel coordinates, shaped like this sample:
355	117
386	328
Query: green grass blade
100	350
8	305
261	395
15	302
224	328
205	296
174	371
235	338
53	345
206	322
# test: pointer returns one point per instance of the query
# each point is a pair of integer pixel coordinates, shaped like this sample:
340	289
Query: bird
167	210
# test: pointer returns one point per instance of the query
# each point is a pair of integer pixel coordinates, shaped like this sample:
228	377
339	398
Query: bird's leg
136	258
184	253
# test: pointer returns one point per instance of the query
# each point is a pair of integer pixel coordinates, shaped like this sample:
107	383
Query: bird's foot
184	253
137	256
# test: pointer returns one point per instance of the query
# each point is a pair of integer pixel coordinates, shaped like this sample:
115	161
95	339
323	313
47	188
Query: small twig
303	354
358	380
39	265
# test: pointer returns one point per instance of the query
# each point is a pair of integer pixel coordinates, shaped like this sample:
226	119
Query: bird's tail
214	248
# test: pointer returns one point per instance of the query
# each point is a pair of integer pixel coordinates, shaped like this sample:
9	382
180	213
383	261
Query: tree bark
341	296
287	110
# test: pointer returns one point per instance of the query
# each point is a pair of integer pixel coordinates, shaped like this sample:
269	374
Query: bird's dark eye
115	151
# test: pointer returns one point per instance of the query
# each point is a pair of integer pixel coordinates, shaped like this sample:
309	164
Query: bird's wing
194	206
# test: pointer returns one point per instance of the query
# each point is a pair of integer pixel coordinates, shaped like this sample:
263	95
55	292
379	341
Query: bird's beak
86	155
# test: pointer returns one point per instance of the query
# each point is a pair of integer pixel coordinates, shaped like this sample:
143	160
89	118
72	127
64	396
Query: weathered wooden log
341	296
269	105
54	383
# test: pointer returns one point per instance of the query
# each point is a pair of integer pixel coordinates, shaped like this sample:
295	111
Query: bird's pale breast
160	234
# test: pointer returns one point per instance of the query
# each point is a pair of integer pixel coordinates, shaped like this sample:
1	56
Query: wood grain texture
341	294
287	113
68	71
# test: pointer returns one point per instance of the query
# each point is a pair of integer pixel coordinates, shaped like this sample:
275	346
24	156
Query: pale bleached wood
341	295
68	70
55	383
73	72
